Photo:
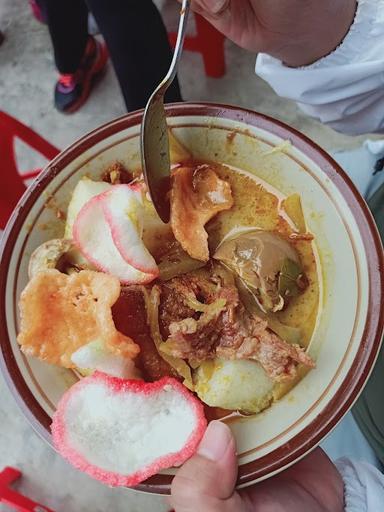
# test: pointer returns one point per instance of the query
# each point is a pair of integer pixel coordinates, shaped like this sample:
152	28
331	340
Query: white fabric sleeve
346	88
363	486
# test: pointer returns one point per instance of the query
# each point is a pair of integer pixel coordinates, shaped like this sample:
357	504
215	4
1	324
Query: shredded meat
248	337
172	307
230	332
192	341
197	195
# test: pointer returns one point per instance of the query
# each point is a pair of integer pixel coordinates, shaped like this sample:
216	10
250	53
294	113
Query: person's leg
68	26
79	57
138	44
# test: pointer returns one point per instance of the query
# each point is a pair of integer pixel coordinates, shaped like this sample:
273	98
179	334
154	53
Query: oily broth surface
256	206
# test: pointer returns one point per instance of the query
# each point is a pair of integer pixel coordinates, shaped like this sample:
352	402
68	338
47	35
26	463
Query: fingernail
215	6
215	441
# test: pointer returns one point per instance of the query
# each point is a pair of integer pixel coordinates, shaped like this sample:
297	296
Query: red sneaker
72	90
37	11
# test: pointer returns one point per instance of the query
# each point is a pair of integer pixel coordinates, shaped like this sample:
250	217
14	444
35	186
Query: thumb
207	481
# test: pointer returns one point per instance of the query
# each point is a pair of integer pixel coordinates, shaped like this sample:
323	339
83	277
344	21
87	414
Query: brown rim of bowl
360	370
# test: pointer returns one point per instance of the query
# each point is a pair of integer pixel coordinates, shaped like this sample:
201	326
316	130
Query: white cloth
363	486
346	88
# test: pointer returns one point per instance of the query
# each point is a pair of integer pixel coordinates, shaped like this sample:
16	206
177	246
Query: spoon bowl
154	131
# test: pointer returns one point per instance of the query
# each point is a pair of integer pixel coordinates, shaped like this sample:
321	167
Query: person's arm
346	88
297	32
327	55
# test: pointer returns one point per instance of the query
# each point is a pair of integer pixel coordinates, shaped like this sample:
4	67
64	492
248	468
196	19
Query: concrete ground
27	76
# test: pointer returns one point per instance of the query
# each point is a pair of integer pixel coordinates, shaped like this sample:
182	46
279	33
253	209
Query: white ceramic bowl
350	324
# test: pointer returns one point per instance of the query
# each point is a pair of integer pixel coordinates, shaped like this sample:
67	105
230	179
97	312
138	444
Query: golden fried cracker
197	195
61	313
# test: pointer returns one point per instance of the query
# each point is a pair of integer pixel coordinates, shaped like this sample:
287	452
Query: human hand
206	482
298	32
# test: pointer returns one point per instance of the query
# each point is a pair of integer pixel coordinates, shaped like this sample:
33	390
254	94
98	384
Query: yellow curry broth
255	206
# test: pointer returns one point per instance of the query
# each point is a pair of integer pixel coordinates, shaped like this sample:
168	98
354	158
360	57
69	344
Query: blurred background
27	80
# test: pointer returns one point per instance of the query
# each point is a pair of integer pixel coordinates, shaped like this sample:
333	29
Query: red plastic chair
13	499
12	182
210	43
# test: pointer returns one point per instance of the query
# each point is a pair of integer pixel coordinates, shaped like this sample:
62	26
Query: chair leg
12	183
211	44
15	500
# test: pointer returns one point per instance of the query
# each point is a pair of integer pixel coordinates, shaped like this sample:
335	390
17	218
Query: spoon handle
184	12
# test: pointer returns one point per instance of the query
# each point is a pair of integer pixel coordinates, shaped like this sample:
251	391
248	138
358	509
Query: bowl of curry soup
267	299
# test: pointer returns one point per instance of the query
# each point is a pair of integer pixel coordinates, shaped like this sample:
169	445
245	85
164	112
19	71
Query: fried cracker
197	195
61	313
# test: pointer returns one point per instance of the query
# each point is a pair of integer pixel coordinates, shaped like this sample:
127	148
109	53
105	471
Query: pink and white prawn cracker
108	231
121	432
124	211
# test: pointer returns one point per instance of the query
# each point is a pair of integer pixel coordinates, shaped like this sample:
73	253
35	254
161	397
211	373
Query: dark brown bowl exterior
357	376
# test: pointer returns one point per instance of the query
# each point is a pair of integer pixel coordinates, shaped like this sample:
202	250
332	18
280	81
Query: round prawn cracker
124	212
121	432
108	231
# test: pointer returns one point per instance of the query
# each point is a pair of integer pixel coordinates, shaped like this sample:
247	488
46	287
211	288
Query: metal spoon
154	135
